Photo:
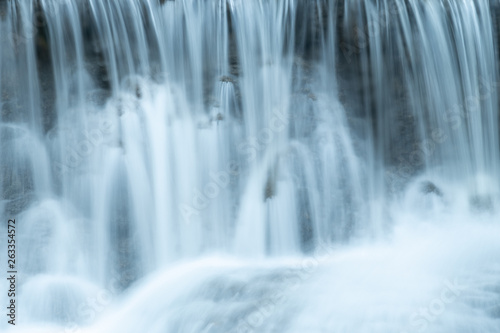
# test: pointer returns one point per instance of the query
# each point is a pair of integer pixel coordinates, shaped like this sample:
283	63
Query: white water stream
252	165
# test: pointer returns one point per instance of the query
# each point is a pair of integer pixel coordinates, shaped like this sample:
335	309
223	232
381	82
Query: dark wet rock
481	203
270	190
17	188
312	24
133	84
391	123
429	187
99	71
226	79
16	172
3	9
270	187
45	68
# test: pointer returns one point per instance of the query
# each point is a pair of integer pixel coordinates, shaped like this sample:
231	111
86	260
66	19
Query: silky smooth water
252	166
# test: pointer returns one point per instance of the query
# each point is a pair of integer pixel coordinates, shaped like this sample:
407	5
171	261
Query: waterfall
259	165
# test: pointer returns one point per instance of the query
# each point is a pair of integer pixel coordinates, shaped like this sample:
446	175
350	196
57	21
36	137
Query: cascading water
252	165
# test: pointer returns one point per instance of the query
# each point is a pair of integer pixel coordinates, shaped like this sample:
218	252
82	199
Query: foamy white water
252	166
